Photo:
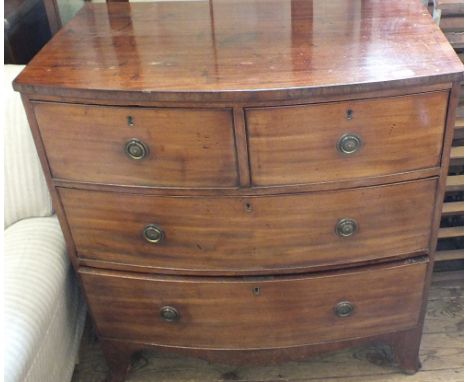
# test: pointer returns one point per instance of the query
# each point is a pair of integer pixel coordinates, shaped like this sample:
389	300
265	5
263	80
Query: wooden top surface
240	50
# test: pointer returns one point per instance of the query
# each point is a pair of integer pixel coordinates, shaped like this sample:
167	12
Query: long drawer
345	140
233	313
282	233
168	147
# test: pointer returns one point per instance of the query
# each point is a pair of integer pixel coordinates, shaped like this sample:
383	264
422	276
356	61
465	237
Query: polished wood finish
256	191
187	147
298	144
213	312
241	104
287	233
241	52
441	349
406	350
257	102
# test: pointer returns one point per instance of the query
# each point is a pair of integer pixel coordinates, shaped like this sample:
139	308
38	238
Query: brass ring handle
346	227
153	234
344	309
349	144
136	149
169	313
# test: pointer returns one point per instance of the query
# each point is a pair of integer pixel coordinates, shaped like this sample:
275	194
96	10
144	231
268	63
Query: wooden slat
444	277
449	232
455	183
451	7
454	254
457	152
452	208
459	129
456	39
451	24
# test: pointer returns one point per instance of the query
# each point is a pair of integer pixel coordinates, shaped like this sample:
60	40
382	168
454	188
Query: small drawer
213	313
345	140
264	234
139	146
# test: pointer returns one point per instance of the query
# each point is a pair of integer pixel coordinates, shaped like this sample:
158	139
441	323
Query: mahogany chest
248	181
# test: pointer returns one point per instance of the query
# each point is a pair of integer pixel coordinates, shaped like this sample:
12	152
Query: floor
441	354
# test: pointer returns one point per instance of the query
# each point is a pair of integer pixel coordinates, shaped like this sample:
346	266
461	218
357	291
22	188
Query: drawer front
235	314
345	140
255	234
168	146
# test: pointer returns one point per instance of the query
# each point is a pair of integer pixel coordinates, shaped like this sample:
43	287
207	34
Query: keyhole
248	207
349	114
130	121
256	291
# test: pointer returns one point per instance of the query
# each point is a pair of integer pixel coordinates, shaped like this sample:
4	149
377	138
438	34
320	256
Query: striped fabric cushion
26	193
43	322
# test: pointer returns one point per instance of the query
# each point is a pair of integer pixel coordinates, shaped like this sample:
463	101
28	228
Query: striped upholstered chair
44	312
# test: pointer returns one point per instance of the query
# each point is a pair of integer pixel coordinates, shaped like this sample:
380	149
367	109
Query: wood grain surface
187	147
239	97
289	311
227	235
298	144
242	50
441	355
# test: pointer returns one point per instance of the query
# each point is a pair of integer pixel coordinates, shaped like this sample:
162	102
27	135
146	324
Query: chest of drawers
248	181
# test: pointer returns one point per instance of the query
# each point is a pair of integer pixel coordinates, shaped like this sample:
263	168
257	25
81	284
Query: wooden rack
449	15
